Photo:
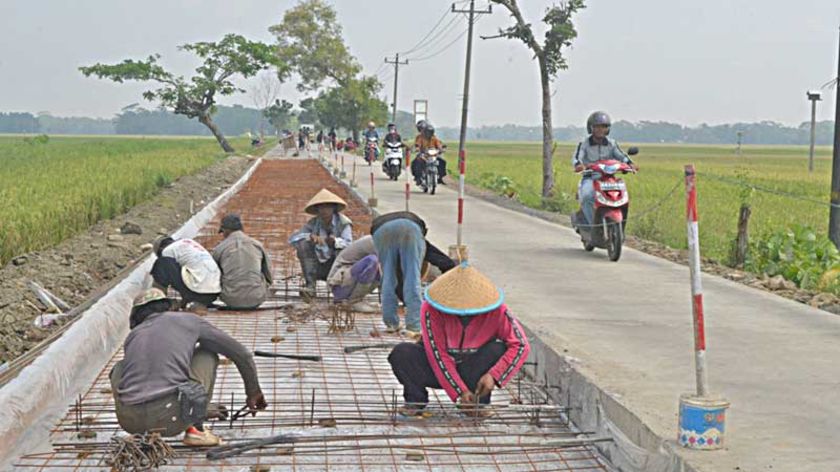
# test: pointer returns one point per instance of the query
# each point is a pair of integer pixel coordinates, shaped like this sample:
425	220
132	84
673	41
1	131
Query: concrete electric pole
834	218
462	156
396	62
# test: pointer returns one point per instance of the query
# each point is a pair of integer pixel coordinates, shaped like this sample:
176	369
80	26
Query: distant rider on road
425	141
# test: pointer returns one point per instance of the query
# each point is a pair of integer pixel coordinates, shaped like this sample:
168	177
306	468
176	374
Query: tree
265	93
195	98
549	55
279	114
309	42
351	106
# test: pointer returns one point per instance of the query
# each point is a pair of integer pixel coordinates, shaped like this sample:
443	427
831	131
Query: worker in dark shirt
166	377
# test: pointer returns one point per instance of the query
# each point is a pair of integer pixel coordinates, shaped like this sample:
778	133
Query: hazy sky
691	62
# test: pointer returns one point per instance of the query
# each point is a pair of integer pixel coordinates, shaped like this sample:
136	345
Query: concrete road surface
629	326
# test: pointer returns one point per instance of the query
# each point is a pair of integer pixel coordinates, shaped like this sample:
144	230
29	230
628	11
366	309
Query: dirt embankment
76	267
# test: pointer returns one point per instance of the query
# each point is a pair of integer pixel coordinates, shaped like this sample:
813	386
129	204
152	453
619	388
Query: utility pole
462	155
396	62
814	97
834	218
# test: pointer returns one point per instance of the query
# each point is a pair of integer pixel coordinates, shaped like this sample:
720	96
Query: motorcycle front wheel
615	236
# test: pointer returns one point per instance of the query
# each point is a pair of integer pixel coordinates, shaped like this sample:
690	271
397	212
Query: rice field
724	181
53	188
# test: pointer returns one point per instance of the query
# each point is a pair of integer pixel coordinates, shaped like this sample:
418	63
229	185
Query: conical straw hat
464	291
324	196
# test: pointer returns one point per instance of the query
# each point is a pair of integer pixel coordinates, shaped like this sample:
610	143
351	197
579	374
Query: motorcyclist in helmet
424	141
393	137
596	147
369	135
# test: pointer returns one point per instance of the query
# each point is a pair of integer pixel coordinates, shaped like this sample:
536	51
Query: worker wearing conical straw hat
471	344
321	238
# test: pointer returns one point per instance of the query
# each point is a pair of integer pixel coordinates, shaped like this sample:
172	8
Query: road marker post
353	183
343	173
459	251
702	416
372	201
407	177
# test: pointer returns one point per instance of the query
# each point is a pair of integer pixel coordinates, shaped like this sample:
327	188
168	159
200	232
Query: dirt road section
75	268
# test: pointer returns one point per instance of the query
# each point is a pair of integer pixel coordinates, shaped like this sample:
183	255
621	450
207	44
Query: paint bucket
702	422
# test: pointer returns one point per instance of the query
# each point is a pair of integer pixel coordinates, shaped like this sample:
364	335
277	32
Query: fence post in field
742	242
702	417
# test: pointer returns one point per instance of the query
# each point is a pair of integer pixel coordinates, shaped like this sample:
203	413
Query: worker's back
241	259
157	359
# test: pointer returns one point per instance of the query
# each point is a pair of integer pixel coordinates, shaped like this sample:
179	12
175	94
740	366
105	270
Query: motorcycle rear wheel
615	240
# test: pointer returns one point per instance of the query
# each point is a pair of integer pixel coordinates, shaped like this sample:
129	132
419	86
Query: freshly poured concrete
628	325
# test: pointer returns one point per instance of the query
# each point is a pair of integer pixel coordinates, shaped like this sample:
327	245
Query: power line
419	43
438	37
449	45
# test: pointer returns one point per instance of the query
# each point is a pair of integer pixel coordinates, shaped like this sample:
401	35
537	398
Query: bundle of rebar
138	452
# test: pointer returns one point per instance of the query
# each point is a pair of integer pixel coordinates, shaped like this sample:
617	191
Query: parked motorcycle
393	162
430	177
371	149
612	203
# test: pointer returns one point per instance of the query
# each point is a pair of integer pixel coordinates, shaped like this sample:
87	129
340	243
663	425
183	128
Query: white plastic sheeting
40	395
635	448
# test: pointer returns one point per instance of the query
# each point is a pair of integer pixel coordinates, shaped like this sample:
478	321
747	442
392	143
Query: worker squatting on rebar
321	238
356	273
164	382
245	266
470	344
238	271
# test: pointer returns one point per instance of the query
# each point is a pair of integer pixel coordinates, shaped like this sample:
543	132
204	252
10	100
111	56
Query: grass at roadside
516	167
52	188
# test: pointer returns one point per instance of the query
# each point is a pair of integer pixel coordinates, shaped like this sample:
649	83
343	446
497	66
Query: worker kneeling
164	382
470	344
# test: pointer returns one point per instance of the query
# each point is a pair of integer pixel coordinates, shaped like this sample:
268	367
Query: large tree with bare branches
560	31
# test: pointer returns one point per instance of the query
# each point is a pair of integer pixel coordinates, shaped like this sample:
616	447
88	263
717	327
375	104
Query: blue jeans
400	245
586	194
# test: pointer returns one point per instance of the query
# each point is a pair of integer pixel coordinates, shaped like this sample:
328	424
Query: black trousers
412	369
167	273
418	168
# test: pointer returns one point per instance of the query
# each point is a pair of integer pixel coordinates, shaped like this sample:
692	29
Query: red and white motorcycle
612	203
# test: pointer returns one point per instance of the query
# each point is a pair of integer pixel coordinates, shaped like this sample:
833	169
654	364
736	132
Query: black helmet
421	125
429	130
598	118
392	125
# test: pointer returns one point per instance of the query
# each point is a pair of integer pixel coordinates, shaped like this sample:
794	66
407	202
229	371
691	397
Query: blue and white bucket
702	422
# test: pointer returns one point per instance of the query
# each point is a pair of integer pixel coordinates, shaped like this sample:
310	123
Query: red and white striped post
372	201
407	177
459	252
696	284
462	168
702	417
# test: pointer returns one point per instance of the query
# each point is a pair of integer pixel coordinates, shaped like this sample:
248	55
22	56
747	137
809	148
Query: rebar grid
341	410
